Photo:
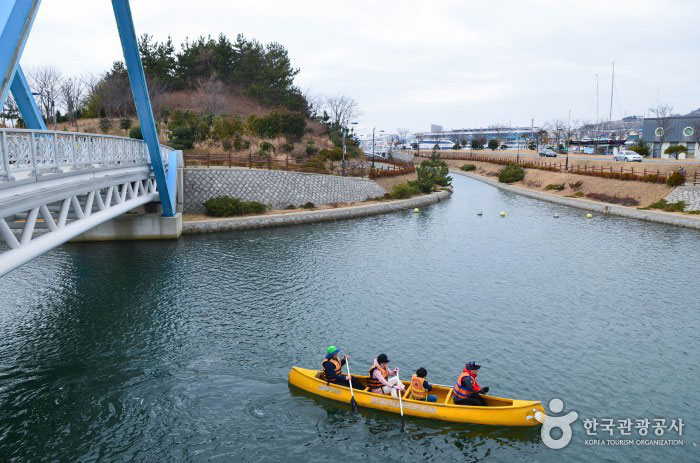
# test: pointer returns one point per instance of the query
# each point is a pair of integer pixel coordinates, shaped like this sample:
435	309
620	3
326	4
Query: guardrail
34	152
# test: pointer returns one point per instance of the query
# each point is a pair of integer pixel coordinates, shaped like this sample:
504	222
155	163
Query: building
660	133
511	136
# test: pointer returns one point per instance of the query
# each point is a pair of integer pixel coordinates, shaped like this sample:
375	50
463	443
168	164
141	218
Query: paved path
689	194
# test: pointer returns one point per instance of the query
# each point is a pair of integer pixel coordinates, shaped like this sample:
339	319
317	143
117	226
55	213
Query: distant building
660	133
435	128
511	136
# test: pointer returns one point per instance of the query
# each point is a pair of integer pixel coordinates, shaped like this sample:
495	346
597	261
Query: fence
38	151
626	173
392	168
266	162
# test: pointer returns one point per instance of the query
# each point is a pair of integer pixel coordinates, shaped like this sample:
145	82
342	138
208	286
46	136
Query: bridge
56	186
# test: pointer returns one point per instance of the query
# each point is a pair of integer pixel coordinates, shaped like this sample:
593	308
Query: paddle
400	401
352	393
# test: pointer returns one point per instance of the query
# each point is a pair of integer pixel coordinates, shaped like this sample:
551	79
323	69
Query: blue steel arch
19	16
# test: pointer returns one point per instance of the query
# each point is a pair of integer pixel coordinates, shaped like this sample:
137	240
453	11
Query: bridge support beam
137	78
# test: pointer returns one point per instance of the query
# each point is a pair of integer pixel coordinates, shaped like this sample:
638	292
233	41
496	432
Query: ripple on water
180	350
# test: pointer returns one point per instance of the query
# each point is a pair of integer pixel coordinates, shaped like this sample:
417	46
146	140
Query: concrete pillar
130	227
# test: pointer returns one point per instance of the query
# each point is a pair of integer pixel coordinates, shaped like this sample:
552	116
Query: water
180	350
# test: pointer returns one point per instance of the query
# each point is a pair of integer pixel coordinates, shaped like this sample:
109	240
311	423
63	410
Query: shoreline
667	218
304	217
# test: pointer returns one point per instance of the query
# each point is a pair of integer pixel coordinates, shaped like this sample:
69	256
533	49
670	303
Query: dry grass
388	183
645	193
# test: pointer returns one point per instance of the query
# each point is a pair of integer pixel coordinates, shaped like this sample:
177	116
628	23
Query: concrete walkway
689	194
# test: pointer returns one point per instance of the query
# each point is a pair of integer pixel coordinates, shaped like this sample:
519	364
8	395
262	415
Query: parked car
547	153
627	156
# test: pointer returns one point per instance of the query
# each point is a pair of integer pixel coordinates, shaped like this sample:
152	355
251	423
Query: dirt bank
644	193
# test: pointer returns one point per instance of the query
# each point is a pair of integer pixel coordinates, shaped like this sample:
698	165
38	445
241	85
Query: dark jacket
329	369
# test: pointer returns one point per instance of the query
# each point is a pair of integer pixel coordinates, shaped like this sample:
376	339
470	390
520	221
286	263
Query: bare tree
403	135
72	91
663	113
341	109
315	103
46	83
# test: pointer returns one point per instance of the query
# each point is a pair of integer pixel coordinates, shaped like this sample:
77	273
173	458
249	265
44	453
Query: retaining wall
276	188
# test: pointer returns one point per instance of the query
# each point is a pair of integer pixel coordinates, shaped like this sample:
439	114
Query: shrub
576	185
555	186
266	147
125	123
274	124
404	191
135	132
288	147
182	137
511	173
315	162
227	206
227	145
468	167
309	205
240	143
675	150
664	205
105	124
675	179
493	144
624	201
290	207
432	173
311	149
640	148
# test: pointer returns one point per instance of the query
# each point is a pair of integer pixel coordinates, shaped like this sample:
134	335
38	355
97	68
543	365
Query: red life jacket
460	391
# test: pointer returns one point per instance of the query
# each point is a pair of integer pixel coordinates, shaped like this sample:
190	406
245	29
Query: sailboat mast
612	89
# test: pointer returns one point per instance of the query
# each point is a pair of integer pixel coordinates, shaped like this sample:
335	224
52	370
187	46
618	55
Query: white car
627	156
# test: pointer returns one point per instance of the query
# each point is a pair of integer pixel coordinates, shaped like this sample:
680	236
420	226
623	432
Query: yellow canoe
498	411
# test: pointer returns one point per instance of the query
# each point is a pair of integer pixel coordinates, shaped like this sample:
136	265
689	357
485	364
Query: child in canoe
420	386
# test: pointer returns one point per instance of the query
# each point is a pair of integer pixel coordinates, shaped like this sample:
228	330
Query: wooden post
250	159
229	159
208	159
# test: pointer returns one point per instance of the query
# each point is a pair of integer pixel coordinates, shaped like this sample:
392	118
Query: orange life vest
373	382
460	391
417	388
336	363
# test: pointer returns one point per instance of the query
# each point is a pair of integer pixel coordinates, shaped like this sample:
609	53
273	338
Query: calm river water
167	351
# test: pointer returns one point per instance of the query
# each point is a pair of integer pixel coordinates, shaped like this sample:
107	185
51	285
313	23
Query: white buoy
480	213
589	216
416	210
503	214
556	216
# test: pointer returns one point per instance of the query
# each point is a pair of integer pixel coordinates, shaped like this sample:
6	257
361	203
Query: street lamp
381	131
345	129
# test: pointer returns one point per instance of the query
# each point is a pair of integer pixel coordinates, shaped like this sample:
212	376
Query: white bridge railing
34	152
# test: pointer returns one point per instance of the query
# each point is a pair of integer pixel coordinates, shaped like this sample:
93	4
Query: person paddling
333	369
383	380
420	386
466	390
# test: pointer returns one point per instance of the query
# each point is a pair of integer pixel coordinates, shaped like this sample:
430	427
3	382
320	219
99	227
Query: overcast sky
413	63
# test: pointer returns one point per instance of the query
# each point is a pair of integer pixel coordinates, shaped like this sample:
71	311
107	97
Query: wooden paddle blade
354	405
